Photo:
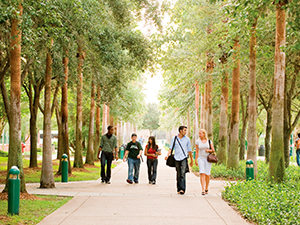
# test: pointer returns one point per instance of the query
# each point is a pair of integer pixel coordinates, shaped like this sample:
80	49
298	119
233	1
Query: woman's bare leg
207	179
202	181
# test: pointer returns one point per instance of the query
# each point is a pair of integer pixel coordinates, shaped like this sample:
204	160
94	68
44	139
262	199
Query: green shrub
3	154
39	149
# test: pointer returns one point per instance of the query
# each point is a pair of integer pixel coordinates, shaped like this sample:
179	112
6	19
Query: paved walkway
122	203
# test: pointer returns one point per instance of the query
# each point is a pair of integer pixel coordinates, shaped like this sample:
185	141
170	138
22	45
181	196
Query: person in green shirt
108	148
134	151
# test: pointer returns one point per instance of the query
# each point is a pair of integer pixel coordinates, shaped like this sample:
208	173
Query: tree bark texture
268	135
209	70
223	132
245	119
252	133
104	119
202	110
47	177
276	165
98	119
15	151
78	161
90	154
197	95
233	154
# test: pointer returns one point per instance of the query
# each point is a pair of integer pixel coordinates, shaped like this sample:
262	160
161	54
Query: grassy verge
33	175
32	211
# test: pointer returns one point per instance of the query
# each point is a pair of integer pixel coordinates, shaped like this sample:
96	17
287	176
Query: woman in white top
202	151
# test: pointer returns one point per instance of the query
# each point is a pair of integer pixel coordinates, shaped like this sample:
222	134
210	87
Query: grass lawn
33	175
32	211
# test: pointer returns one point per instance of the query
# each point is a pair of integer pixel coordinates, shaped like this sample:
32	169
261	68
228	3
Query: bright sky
152	87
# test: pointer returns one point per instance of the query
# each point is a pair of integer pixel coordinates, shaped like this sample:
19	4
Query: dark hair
109	127
181	128
153	145
134	134
298	135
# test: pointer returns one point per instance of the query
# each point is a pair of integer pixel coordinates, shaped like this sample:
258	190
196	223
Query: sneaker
102	181
107	182
136	182
129	181
150	182
181	192
153	182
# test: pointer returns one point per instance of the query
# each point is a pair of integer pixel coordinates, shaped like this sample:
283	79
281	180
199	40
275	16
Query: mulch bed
23	195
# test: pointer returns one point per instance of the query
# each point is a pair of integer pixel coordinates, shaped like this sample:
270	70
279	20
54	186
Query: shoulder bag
212	157
171	160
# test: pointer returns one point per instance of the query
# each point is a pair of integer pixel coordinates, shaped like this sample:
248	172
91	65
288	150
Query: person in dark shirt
107	150
134	151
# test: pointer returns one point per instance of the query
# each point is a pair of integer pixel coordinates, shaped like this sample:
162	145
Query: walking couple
134	152
182	149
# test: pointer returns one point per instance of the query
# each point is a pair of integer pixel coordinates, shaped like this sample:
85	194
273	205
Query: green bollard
121	152
64	168
249	170
194	153
14	191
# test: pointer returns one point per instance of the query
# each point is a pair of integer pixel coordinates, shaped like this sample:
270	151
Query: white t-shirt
202	146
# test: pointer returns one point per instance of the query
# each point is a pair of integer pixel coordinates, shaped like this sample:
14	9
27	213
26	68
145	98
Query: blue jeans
298	156
181	167
133	164
152	168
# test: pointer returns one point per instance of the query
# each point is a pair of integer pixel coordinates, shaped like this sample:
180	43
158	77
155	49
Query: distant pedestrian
134	151
141	140
297	144
203	148
152	151
107	150
182	148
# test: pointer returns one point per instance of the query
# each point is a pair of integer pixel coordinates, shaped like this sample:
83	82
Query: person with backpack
297	144
134	151
108	148
181	145
204	146
152	152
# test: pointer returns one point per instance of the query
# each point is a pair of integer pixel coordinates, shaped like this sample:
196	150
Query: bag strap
209	143
173	145
181	147
112	149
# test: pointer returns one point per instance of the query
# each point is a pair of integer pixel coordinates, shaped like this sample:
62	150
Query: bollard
194	153
121	152
249	170
64	168
14	191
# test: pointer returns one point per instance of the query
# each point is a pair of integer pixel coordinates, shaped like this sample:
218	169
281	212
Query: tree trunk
209	70
205	108
244	127
202	110
90	154
47	177
104	119
268	135
233	154
276	165
196	129
59	141
78	161
15	151
252	133
223	132
65	112
98	118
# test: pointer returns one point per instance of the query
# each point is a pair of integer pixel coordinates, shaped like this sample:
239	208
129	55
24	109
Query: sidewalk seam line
75	210
216	211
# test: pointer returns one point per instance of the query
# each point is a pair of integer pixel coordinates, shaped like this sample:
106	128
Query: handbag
171	160
212	157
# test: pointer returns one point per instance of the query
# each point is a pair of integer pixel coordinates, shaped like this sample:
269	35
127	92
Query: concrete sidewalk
122	203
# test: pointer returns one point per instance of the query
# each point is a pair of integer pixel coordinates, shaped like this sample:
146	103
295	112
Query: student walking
203	148
134	151
151	151
297	144
108	149
182	148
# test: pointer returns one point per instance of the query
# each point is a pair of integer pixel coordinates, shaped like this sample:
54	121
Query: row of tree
69	55
209	40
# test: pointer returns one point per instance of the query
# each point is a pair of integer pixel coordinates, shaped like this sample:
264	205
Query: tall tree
15	152
276	165
89	153
47	177
233	153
